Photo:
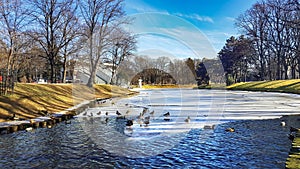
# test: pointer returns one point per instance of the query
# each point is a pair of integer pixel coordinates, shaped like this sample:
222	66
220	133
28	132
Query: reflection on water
69	146
105	142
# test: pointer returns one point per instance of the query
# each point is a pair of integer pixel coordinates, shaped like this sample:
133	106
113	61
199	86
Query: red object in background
0	78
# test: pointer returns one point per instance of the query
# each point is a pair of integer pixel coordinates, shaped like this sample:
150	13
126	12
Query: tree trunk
91	80
8	70
112	77
64	69
51	60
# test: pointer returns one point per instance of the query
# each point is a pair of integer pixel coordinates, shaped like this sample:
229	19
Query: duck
14	117
188	119
147	118
167	114
144	110
31	121
282	123
106	113
291	137
152	112
85	113
139	121
147	121
129	123
68	122
49	126
139	116
293	129
230	129
118	113
209	127
99	113
29	129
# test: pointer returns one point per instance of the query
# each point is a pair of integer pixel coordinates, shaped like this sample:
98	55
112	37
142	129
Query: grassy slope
29	99
286	86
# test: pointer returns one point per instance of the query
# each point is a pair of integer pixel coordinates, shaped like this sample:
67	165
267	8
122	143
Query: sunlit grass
288	86
29	99
294	158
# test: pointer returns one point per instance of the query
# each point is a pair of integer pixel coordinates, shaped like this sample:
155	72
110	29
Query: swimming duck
147	122
31	121
29	129
147	118
167	114
282	123
209	127
118	113
68	122
139	116
99	113
106	113
144	111
230	129
129	123
14	117
151	113
293	129
291	137
188	119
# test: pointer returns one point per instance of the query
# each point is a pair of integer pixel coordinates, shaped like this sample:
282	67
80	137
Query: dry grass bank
29	100
285	86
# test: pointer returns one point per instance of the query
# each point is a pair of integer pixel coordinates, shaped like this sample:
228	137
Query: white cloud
231	19
141	7
171	34
155	46
179	42
218	38
196	17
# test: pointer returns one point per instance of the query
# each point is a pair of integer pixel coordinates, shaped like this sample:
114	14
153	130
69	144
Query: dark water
255	144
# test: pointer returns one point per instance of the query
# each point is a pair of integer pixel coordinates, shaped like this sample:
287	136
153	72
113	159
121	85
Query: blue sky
184	28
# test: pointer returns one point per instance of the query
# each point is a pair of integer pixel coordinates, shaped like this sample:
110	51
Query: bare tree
121	45
12	23
273	26
50	20
254	22
71	36
98	16
162	62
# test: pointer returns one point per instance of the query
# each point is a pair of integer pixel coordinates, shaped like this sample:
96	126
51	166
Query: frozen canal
99	138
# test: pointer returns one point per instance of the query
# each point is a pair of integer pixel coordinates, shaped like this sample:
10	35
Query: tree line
269	48
177	68
46	37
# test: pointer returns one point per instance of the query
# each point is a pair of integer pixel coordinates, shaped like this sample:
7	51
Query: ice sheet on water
205	107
